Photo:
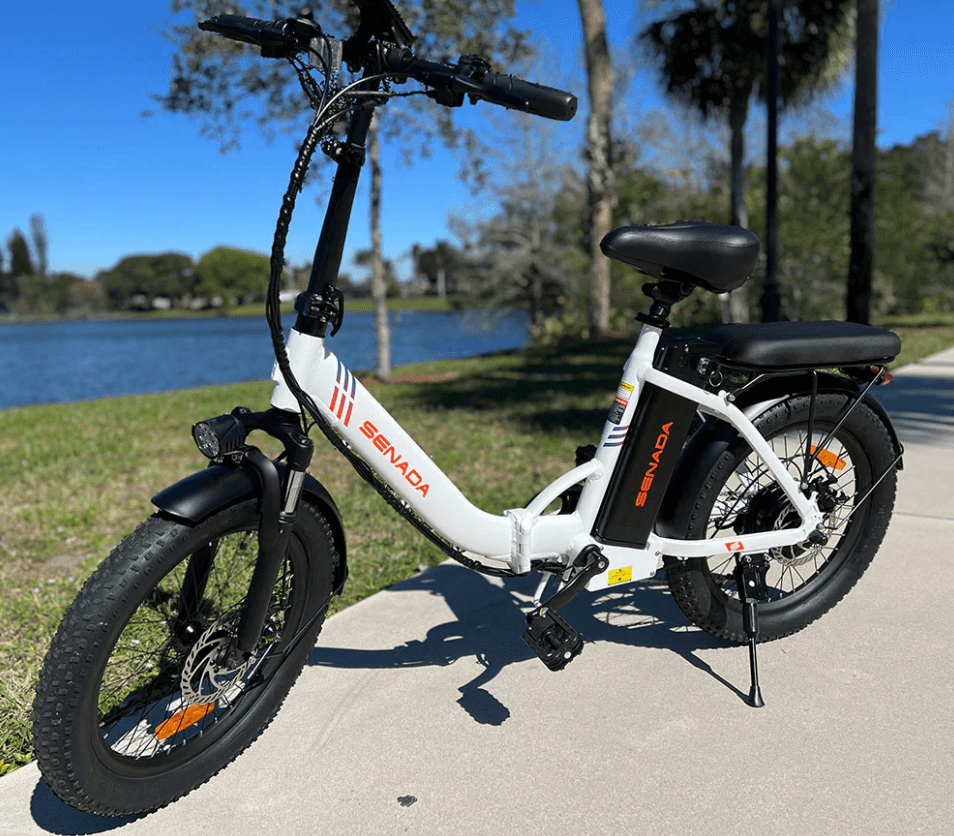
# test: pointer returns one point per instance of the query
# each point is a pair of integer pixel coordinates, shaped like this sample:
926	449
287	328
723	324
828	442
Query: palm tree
711	58
860	264
599	171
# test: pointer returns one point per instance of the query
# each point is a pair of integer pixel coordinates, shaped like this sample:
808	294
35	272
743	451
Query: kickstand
750	580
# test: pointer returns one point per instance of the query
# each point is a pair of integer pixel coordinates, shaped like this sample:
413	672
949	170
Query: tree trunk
40	243
599	73
947	200
771	297
737	118
734	304
863	159
379	288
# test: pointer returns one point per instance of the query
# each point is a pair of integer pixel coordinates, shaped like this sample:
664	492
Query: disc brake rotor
204	678
797	554
771	510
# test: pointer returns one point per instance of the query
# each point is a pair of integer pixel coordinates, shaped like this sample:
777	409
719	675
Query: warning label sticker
618	409
620	575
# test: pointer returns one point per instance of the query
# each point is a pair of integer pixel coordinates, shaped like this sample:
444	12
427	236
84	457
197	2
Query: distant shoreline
427	303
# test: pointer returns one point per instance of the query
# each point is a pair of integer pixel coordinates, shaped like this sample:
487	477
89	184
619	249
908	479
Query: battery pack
646	463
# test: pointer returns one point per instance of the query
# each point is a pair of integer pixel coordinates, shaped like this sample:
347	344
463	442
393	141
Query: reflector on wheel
183	719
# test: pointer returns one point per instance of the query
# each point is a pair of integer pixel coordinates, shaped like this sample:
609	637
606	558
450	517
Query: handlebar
471	76
498	88
277	38
449	83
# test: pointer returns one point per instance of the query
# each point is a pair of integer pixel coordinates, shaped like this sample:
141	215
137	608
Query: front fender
200	495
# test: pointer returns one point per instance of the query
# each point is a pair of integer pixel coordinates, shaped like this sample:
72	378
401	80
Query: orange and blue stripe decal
616	437
342	399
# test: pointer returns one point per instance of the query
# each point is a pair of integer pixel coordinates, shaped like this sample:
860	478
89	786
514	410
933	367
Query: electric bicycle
764	500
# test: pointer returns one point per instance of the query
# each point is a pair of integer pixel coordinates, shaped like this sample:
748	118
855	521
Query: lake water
55	362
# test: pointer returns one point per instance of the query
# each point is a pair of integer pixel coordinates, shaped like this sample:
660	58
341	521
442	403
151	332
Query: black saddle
803	345
718	258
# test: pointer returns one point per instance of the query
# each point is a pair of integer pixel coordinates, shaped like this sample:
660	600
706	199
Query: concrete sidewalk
421	711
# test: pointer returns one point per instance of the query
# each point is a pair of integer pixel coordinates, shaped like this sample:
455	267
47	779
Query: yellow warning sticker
620	575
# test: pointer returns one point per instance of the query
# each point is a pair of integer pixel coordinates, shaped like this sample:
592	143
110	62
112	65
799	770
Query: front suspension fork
277	505
274	533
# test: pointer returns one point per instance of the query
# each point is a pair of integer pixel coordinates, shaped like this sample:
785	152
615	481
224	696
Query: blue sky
109	182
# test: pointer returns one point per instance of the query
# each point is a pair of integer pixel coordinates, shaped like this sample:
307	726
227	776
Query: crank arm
594	562
554	641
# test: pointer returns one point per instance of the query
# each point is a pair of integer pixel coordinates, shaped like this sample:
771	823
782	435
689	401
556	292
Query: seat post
664	293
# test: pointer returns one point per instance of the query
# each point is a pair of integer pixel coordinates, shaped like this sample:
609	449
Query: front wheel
733	493
137	703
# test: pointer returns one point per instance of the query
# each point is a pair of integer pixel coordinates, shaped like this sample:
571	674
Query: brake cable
317	131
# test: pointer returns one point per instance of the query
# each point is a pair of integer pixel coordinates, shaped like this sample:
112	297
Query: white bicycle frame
521	535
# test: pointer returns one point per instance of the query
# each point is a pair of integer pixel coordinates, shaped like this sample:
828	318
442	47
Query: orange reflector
829	459
883	379
183	719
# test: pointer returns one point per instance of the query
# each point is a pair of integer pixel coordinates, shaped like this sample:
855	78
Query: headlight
219	436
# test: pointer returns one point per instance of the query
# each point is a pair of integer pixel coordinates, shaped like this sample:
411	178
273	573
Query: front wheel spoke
115	691
147	692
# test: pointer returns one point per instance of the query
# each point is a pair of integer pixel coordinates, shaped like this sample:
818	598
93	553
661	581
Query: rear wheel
137	703
735	494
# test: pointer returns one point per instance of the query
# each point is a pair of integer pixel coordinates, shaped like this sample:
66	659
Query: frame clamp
326	307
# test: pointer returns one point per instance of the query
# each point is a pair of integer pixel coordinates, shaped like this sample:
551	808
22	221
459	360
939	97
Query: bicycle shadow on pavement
488	620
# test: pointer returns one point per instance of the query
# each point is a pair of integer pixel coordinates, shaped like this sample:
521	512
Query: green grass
77	477
921	334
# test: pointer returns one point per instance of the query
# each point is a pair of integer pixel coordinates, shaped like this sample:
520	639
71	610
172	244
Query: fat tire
77	762
706	596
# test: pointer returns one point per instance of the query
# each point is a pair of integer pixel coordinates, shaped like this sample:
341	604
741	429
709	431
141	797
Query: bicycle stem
329	251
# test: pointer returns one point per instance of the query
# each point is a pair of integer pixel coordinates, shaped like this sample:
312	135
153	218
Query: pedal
551	638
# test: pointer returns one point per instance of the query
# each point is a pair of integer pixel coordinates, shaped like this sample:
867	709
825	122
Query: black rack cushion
772	345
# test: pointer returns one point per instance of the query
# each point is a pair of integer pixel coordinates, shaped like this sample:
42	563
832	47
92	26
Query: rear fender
714	437
200	495
774	389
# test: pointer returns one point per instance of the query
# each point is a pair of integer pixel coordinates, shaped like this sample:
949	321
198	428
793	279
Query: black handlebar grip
496	88
264	33
539	100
